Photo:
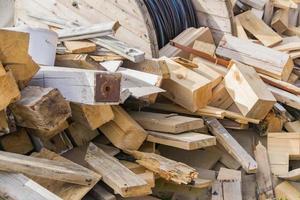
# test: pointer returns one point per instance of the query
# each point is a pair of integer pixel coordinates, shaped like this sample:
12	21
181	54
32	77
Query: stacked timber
206	120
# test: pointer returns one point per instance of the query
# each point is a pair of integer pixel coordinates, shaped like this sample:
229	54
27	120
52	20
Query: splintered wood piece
231	145
170	170
81	135
67	191
123	131
17	142
114	174
186	87
281	148
23	73
9	91
45	168
18	186
14	47
92	87
280	20
81	61
187	141
91	116
286	191
80	46
259	29
248	91
40	108
263	174
265	60
169	123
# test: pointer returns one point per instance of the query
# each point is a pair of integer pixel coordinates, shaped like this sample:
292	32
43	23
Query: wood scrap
80	46
81	61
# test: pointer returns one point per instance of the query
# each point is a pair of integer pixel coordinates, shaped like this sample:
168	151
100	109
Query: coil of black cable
171	17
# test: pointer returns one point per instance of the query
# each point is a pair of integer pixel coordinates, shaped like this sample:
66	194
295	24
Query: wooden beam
9	91
114	174
66	191
169	123
265	60
14	47
17	142
41	108
186	87
231	145
56	170
248	91
18	186
81	46
259	29
170	170
81	61
91	116
264	174
123	131
187	141
80	85
80	135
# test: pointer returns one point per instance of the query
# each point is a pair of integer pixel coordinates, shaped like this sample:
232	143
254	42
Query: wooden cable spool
137	27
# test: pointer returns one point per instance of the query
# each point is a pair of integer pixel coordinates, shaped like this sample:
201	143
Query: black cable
170	18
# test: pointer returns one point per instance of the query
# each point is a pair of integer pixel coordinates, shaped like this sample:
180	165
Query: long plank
259	29
114	174
231	145
45	168
19	187
285	97
170	123
187	141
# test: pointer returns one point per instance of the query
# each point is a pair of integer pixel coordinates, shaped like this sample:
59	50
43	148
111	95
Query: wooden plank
285	4
293	175
14	47
47	134
120	48
258	4
187	141
81	85
100	193
285	97
169	123
264	174
241	33
61	171
286	191
292	126
248	91
81	61
231	145
114	174
170	170
123	131
18	186
268	12
80	135
81	46
259	29
280	20
41	108
17	142
91	116
9	91
23	73
265	60
66	191
186	87
87	32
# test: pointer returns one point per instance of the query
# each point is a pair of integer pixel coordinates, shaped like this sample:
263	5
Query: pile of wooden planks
205	120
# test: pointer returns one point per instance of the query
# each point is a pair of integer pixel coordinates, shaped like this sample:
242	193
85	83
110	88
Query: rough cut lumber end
248	91
40	108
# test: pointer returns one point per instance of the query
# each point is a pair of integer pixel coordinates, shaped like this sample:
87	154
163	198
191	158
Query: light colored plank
292	126
187	141
285	97
259	29
114	174
81	61
81	46
231	145
169	123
